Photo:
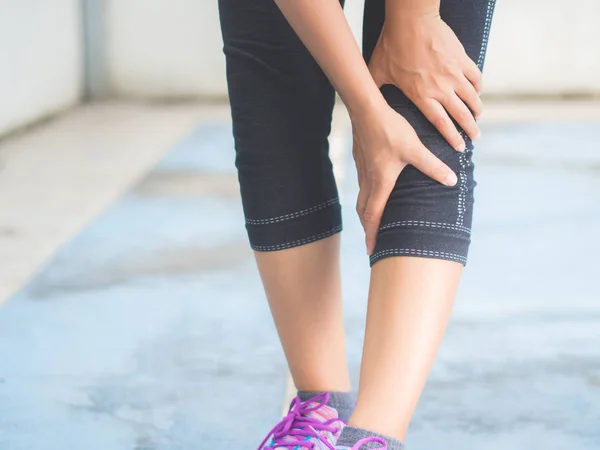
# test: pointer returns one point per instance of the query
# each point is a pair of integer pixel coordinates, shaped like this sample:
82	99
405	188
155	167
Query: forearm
322	27
410	9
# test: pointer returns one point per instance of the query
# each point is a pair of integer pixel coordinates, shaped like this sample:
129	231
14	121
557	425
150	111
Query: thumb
375	205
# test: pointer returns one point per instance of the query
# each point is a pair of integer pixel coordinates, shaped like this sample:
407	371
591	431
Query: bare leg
410	299
304	291
410	302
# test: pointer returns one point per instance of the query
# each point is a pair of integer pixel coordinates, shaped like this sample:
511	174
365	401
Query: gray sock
350	436
343	402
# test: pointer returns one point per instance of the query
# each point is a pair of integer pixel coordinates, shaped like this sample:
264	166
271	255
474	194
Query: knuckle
369	216
448	67
440	89
440	122
457	73
446	96
415	87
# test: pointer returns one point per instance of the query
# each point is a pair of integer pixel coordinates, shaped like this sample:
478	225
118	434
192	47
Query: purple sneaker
309	425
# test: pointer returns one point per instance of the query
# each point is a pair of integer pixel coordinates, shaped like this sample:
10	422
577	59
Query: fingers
438	116
464	105
358	156
432	166
361	203
473	74
469	96
363	193
374	206
373	198
462	115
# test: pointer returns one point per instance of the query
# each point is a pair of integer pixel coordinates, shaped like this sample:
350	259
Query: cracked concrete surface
149	330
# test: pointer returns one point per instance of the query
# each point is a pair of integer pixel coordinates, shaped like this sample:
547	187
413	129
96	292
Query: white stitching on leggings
486	32
462	193
415	252
462	159
294	215
307	240
422	223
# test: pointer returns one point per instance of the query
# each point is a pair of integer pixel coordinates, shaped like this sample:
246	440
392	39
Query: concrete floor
148	330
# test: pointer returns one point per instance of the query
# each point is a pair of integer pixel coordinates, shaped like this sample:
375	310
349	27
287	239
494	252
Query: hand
422	56
384	144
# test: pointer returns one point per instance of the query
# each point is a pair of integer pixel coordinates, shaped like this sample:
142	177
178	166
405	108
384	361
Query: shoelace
368	440
295	427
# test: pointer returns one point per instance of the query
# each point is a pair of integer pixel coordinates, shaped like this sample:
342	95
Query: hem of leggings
449	242
417	253
295	215
300	228
298	242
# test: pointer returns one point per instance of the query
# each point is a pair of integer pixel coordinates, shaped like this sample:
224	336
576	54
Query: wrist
368	105
408	11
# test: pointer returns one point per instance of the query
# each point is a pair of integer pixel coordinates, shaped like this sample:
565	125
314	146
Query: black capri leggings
281	106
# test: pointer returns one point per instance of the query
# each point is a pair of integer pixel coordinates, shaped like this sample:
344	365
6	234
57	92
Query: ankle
380	423
342	402
323	384
354	438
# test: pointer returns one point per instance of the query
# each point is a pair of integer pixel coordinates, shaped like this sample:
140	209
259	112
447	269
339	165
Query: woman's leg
281	108
421	248
410	301
304	292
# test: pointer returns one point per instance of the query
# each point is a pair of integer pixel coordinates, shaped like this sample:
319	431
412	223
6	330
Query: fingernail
451	179
477	135
461	147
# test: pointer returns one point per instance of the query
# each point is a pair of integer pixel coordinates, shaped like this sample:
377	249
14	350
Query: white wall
544	46
158	48
164	49
40	59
